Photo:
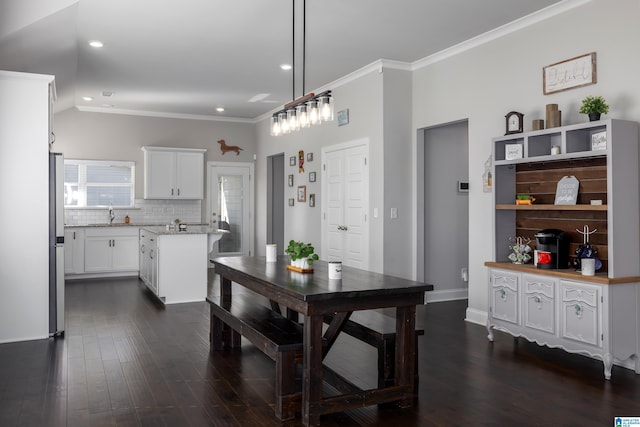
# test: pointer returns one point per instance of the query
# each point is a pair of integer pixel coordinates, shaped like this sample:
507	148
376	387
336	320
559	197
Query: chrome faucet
112	214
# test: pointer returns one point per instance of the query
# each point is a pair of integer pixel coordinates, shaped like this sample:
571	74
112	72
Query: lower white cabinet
149	260
111	249
594	319
174	266
74	251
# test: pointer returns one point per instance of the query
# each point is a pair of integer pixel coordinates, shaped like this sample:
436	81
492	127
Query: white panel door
229	206
345	235
189	175
334	176
160	175
97	254
125	253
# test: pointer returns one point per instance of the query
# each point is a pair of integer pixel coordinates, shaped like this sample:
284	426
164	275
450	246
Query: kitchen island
174	263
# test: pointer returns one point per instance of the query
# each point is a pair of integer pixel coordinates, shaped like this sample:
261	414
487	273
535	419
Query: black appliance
552	248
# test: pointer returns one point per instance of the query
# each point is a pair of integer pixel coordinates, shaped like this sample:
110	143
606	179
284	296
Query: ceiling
185	58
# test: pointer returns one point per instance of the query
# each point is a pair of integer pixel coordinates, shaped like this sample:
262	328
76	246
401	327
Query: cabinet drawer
539	303
504	296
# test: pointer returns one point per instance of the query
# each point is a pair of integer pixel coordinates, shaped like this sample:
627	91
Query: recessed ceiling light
87	98
220	109
96	43
285	66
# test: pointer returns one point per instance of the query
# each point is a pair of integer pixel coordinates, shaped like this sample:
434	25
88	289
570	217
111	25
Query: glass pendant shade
326	108
293	120
303	118
275	126
284	124
312	111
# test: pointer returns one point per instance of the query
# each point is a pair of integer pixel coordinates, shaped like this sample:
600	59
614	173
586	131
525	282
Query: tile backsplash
146	212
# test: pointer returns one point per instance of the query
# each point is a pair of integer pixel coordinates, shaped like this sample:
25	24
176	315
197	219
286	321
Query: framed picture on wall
292	161
291	202
312	177
290	180
312	200
302	193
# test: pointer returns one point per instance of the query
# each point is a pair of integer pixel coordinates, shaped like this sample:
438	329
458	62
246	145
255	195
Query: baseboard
478	317
447	295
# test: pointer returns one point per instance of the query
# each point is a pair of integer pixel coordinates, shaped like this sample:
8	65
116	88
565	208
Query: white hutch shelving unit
590	315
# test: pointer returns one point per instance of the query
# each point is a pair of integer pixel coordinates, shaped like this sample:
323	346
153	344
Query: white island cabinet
174	264
173	173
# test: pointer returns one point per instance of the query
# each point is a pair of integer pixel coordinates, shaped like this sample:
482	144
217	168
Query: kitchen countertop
191	229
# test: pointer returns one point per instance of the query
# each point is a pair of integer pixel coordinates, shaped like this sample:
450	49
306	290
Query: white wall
99	136
363	98
24	210
484	83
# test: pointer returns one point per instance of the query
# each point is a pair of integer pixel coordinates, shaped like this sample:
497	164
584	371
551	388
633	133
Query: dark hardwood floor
126	360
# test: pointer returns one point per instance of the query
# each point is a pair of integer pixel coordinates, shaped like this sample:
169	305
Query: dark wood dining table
313	295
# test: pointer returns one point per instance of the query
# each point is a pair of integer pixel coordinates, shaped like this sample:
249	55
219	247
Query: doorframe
251	196
324	191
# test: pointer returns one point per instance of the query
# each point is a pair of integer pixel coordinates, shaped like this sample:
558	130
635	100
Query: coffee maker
552	249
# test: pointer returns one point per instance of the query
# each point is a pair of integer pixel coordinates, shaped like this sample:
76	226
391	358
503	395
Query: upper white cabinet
173	173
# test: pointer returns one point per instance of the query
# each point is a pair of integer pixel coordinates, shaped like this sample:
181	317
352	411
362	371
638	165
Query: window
97	183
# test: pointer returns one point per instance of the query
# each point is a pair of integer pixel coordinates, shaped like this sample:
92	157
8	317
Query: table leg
312	370
232	339
405	350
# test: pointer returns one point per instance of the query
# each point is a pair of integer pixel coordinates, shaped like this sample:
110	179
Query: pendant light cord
304	44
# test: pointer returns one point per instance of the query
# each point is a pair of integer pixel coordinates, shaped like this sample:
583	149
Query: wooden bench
278	337
379	331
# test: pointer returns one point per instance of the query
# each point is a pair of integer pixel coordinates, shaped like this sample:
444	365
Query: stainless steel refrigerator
56	244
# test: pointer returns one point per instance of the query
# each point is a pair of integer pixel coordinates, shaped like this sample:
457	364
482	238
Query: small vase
594	117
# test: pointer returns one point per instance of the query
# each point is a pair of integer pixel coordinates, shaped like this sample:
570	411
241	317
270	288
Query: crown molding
511	27
165	115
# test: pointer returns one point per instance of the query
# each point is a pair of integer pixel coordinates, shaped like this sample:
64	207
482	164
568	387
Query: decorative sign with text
569	74
567	191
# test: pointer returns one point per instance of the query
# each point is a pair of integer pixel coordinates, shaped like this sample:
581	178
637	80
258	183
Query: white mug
588	266
335	269
272	252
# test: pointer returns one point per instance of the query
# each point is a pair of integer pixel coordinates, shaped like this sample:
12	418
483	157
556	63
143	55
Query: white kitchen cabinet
174	264
111	250
173	173
74	251
149	260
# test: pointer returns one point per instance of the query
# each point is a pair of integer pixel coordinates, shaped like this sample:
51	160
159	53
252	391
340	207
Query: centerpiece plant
301	254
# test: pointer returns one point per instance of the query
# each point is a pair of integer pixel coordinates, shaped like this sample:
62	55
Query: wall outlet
464	274
394	213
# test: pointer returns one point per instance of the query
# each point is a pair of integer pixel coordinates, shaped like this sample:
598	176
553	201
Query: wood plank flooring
125	360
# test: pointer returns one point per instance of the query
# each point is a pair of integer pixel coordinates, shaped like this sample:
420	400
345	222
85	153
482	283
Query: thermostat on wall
463	186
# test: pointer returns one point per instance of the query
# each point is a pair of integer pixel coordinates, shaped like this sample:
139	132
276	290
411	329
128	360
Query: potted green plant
594	106
301	254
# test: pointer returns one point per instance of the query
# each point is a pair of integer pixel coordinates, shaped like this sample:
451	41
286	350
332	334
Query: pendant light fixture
309	109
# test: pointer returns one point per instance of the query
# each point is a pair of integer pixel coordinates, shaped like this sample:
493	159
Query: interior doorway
275	201
345	204
230	205
443	209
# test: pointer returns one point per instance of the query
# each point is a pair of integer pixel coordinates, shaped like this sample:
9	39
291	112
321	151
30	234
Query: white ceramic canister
272	252
335	269
588	266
